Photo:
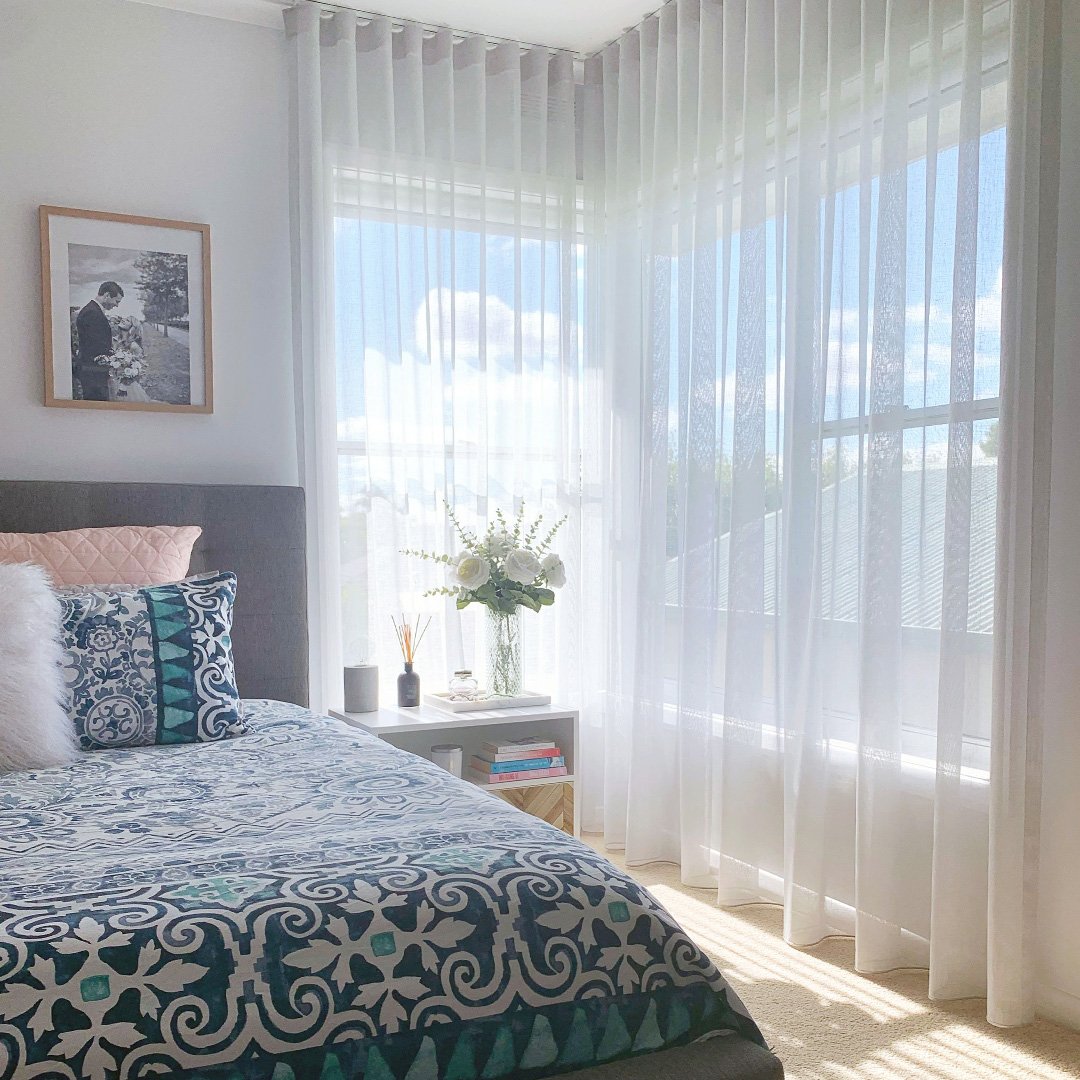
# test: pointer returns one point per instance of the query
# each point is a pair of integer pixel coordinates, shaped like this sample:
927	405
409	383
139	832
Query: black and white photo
127	311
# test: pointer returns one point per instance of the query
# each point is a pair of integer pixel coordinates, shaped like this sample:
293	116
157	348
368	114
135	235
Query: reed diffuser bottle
408	688
408	682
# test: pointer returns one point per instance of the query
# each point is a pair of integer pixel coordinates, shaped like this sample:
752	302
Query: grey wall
109	105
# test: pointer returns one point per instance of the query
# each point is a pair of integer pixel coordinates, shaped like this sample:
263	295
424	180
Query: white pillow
35	732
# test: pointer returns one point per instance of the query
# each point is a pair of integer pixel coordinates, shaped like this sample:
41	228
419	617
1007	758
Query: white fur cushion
35	732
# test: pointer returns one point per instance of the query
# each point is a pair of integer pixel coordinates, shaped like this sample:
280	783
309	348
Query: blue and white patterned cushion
153	665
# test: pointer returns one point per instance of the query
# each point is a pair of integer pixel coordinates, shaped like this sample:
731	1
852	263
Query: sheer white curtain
439	254
1028	299
798	297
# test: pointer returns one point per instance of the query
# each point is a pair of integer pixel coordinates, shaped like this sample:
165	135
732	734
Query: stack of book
524	759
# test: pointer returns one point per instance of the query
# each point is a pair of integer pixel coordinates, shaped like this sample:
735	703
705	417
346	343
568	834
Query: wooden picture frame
139	287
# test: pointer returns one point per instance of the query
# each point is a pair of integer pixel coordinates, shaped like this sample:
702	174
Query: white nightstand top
425	718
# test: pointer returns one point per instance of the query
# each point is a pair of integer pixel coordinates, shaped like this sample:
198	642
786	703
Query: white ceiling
580	25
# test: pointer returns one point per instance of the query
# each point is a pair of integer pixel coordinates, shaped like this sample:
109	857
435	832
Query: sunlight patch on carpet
754	955
840	1025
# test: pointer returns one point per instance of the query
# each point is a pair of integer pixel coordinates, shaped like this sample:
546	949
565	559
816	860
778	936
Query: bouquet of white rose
127	361
126	366
504	568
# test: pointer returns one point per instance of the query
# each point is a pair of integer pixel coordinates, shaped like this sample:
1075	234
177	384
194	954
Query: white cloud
409	415
987	313
448	324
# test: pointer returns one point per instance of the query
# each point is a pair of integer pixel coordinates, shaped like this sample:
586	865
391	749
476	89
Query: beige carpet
825	1021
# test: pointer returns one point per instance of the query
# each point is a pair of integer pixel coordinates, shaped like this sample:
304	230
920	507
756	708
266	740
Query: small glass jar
463	686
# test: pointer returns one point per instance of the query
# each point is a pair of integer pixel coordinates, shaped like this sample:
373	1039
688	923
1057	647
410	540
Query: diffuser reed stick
409	636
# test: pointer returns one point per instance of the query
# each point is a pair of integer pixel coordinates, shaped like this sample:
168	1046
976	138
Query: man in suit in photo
95	339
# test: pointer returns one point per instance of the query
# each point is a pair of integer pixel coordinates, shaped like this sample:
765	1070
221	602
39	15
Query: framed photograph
126	311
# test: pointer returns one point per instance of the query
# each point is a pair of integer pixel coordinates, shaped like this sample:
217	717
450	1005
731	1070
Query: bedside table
417	730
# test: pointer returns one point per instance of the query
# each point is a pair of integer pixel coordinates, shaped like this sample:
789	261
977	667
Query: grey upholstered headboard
257	532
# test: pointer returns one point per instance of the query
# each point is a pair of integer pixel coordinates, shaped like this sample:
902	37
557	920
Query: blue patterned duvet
308	902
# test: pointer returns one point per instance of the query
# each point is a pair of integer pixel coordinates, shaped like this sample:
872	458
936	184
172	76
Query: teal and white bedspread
308	902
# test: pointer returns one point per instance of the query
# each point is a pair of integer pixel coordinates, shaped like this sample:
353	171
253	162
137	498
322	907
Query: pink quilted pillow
119	555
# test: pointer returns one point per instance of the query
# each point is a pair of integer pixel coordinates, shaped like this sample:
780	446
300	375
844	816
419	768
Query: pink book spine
527	774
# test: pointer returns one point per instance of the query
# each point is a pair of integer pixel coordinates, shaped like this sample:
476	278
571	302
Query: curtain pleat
1023	524
313	330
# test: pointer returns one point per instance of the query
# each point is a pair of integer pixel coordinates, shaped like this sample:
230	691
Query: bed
307	902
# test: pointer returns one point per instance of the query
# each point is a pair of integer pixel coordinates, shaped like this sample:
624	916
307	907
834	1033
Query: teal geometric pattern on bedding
531	1043
151	666
309	903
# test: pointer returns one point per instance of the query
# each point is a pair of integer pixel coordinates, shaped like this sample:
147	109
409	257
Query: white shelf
425	718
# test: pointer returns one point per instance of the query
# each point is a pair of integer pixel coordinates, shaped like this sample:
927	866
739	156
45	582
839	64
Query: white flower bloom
451	569
502	544
522	566
554	570
469	571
